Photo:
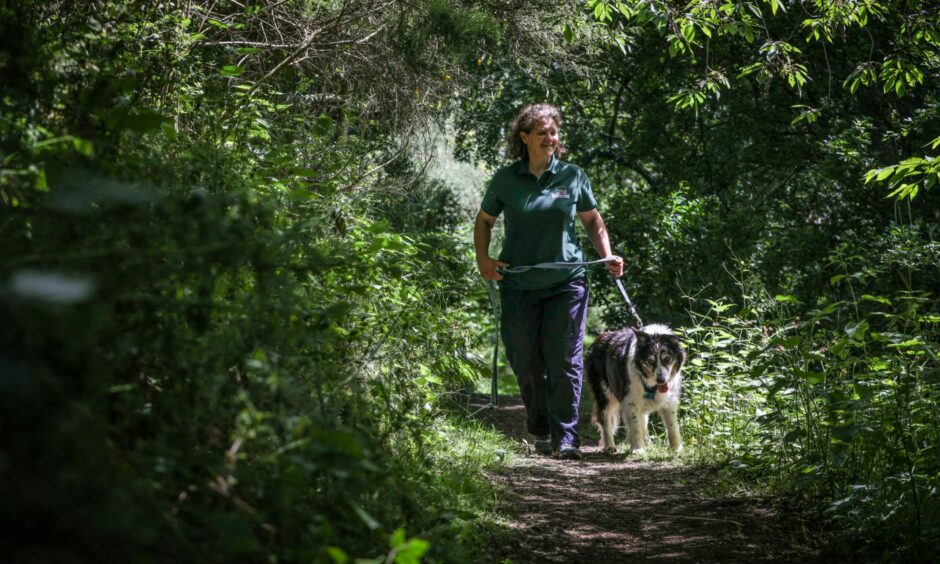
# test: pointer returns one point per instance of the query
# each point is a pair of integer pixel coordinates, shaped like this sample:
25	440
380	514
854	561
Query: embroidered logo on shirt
560	192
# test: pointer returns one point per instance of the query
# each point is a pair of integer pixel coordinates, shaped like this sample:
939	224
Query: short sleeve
586	201
491	203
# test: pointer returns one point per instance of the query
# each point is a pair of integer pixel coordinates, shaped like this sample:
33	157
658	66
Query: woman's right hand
488	266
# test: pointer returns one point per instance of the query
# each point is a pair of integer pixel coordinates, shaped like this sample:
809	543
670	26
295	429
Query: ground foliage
768	171
217	344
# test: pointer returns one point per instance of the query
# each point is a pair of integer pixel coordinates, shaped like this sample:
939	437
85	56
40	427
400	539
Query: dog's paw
610	450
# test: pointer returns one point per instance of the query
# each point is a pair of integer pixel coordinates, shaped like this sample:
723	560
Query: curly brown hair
526	121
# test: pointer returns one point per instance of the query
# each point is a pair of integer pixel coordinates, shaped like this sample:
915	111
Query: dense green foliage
235	306
215	345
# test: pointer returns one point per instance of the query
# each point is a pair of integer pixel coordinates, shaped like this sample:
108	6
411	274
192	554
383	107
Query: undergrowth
831	403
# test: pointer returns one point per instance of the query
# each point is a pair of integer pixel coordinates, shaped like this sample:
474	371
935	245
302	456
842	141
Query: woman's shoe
568	452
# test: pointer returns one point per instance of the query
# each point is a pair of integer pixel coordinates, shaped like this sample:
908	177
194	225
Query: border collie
633	373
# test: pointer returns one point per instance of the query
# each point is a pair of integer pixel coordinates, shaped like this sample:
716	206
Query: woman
543	311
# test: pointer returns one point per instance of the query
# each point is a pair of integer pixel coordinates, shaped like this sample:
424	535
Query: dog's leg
670	417
631	416
645	428
610	420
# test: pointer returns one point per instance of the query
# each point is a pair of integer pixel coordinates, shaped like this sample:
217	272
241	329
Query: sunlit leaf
231	71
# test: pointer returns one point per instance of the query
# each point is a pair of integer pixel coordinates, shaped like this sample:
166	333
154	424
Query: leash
636	317
554	265
494	388
559	265
491	290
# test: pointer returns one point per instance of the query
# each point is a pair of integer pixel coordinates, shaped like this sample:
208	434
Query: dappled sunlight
617	508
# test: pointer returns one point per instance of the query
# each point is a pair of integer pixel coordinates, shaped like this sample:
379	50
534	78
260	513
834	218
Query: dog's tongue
663	388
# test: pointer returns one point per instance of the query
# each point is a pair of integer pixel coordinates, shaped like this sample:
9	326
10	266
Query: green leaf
916	342
885	173
231	71
787	298
338	555
412	552
621	44
857	330
568	33
879	299
397	538
83	146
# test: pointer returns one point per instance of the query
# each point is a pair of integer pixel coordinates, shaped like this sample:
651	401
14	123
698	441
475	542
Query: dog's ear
674	344
672	341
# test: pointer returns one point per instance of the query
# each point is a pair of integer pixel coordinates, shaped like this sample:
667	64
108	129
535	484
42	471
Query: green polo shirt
540	220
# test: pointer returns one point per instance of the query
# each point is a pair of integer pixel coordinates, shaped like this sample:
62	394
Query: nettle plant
836	402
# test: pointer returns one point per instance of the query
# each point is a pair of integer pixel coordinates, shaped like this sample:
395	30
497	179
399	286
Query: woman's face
542	140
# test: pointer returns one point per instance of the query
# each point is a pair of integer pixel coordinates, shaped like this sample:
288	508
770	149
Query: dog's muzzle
662	376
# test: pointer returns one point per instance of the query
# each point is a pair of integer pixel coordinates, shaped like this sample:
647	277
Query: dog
632	373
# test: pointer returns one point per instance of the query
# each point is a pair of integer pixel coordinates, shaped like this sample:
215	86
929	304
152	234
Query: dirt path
614	509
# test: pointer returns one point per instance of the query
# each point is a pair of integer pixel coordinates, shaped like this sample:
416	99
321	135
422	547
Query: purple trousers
543	332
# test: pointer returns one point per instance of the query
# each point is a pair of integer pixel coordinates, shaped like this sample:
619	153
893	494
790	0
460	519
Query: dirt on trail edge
617	509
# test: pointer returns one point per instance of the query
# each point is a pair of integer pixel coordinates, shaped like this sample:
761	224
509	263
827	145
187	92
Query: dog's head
658	356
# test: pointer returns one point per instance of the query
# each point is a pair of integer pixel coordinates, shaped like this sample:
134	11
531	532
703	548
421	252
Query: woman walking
543	311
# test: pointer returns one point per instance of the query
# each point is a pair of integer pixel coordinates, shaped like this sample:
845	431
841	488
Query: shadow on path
614	509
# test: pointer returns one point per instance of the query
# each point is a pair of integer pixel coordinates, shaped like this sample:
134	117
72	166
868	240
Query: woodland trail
614	509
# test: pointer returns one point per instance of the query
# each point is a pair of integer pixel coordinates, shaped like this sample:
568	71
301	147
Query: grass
463	451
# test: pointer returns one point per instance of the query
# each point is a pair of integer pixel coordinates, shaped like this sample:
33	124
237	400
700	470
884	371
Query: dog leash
560	265
636	317
554	265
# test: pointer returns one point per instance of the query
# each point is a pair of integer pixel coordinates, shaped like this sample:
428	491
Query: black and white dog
633	373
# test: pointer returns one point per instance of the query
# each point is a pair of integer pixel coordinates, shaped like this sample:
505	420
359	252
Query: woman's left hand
615	267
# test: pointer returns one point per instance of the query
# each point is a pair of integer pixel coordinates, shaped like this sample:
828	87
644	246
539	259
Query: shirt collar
553	166
522	167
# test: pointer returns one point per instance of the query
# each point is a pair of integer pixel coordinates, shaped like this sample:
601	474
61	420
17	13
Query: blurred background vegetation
240	311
